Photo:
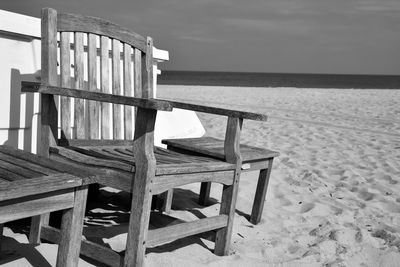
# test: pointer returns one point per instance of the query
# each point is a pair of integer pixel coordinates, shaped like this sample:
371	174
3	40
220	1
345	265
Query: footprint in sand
306	207
389	179
353	189
336	172
365	195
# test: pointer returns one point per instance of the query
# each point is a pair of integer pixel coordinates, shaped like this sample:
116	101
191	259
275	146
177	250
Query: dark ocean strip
251	79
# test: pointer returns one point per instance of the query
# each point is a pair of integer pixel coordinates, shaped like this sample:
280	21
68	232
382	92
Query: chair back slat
65	72
105	87
127	72
138	73
79	111
94	107
106	58
147	72
116	88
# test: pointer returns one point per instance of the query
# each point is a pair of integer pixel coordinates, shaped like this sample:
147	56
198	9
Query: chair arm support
96	96
218	111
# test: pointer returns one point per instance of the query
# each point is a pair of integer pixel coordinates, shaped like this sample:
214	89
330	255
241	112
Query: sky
280	36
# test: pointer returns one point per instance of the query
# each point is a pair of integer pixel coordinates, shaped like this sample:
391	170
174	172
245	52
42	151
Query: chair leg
166	198
204	193
36	226
139	217
261	191
71	230
138	228
228	206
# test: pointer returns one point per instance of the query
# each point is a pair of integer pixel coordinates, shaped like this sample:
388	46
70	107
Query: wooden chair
31	185
253	159
103	146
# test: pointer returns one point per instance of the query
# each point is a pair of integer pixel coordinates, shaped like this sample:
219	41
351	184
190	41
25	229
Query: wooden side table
31	185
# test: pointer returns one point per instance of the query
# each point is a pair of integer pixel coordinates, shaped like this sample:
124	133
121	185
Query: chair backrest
93	54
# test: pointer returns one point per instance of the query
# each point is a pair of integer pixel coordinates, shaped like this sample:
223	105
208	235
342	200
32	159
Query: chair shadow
188	200
13	250
184	199
107	216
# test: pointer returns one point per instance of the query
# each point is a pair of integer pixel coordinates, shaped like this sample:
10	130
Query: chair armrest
218	111
96	96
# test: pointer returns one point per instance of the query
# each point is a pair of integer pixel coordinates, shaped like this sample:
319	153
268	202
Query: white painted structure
20	60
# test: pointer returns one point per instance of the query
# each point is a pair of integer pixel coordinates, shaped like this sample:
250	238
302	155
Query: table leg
71	230
36	225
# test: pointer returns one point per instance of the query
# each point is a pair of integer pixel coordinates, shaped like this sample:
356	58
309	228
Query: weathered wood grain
35	186
229	194
65	69
93	107
110	98
49	131
147	70
174	232
74	22
137	86
165	182
19	170
105	88
213	147
166	198
219	111
71	230
34	205
37	223
261	191
116	89
141	192
45	162
128	91
10	176
95	143
87	161
79	108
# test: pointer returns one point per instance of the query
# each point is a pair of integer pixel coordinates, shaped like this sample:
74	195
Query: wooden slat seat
31	185
253	158
119	160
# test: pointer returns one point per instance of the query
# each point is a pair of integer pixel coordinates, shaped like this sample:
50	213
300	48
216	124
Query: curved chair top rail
87	24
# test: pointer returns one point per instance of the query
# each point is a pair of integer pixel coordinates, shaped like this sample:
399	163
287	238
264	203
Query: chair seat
118	162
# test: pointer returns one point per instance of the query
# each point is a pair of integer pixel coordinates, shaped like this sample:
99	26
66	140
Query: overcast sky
300	36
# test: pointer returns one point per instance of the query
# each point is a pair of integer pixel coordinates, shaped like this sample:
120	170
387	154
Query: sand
334	193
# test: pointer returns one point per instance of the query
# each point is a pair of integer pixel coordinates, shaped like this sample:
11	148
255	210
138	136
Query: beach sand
333	197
